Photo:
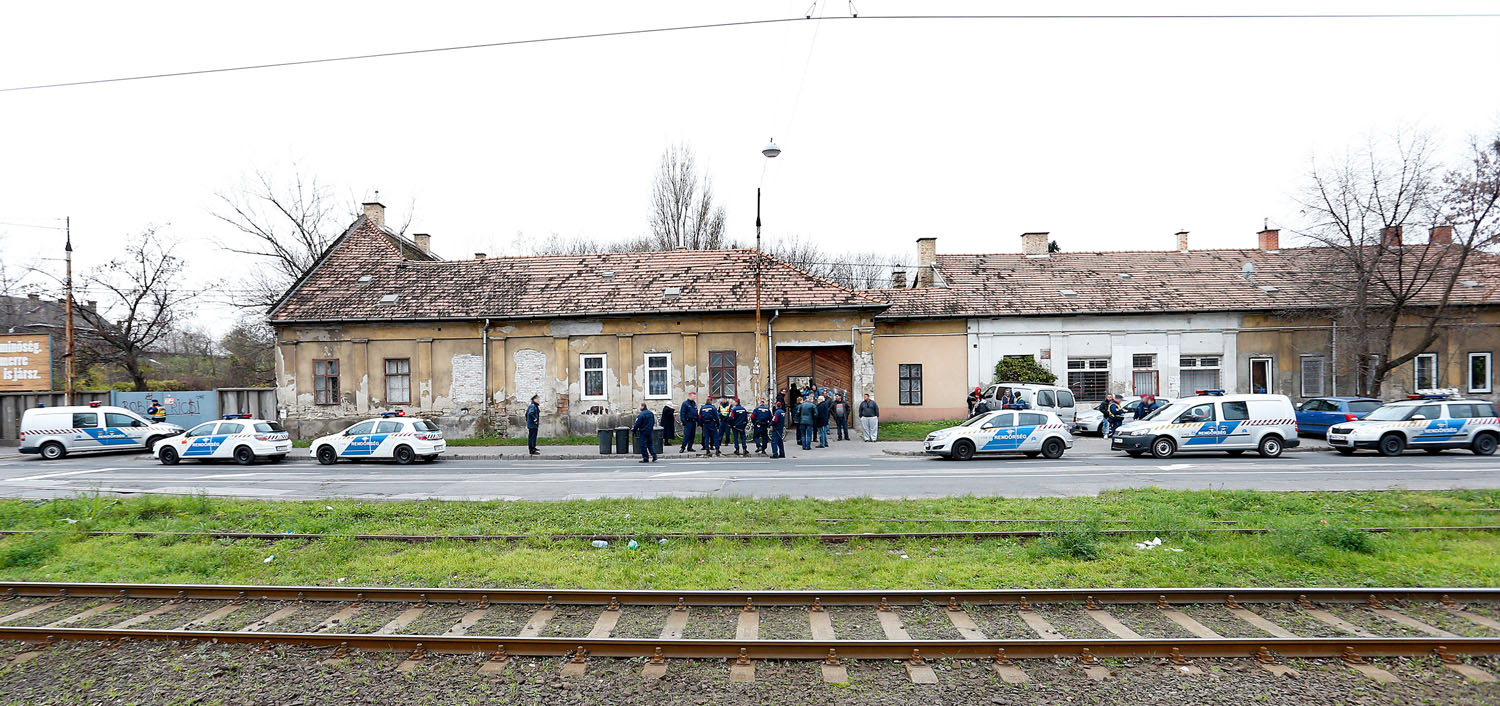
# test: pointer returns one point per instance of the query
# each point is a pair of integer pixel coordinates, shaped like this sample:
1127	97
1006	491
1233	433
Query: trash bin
657	435
622	440
606	441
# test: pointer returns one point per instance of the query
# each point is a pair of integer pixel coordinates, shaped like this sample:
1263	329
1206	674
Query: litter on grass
1153	543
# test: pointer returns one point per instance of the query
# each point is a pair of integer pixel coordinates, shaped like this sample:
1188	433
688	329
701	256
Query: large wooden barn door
831	367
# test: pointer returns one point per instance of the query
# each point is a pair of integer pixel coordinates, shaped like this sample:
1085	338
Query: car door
992	433
387	435
1067	411
1232	422
201	441
1045	399
357	440
1435	428
87	429
1199	425
1029	423
130	430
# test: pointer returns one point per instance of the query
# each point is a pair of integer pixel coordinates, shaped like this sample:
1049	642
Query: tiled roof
1092	283
544	286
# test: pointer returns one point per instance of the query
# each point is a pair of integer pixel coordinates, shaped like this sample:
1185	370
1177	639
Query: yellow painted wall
941	348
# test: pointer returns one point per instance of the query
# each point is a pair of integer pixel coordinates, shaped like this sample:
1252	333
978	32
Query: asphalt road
851	472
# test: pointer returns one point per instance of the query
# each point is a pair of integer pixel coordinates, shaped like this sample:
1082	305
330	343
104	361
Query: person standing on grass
643	424
806	413
841	417
778	428
533	422
869	419
689	415
760	419
820	420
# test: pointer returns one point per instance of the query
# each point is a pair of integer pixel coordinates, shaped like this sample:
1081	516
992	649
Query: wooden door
831	367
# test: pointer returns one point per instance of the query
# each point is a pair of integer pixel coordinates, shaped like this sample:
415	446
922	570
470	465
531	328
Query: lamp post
770	151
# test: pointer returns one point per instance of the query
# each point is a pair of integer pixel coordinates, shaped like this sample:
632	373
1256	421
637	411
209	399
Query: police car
1428	421
54	432
1213	421
1031	432
236	436
393	435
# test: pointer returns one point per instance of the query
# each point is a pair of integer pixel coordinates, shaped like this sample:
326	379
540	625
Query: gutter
771	351
484	348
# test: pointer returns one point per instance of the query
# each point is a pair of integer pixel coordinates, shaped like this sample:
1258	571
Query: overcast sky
1110	134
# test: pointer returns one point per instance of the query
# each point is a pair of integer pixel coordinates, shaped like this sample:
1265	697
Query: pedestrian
708	418
668	425
778	427
533	423
1115	413
974	398
841	417
760	420
794	399
980	407
157	413
805	413
1018	402
822	413
689	414
738	418
869	419
643	424
1006	399
1146	406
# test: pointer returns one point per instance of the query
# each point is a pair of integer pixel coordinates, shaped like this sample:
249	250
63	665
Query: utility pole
68	315
757	374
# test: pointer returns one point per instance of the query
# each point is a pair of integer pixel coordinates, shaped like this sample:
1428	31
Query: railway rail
1264	624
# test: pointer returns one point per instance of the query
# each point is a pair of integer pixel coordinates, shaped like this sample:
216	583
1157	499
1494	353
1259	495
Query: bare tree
141	297
251	347
855	270
683	214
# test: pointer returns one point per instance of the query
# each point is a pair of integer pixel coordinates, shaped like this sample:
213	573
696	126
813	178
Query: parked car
1091	420
1213	421
1316	415
54	432
1431	422
1034	433
394	435
237	436
1048	398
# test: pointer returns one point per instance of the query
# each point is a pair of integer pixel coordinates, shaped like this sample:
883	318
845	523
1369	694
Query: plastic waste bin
622	440
657	435
606	441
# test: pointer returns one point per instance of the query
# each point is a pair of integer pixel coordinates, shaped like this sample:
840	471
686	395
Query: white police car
1213	421
54	432
1031	432
393	435
1428	421
236	436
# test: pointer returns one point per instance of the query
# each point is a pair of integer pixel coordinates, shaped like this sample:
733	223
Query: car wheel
244	456
405	455
326	456
1484	444
1270	447
168	456
1103	429
1345	452
152	442
1053	448
963	450
1163	447
1236	452
53	451
1392	444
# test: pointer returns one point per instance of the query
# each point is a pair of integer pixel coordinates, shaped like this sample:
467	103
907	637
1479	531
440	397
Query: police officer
761	420
643	424
157	413
708	418
1146	406
689	416
1115	413
778	427
533	422
738	418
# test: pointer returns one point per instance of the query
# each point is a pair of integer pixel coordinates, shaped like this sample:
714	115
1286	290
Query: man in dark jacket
1146	406
821	421
760	420
643	424
1115	413
738	418
869	419
980	407
778	427
708	418
533	422
689	416
805	414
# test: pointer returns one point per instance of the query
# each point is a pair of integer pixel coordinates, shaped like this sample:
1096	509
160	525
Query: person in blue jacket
643	424
689	416
778	427
533	422
760	419
820	421
709	419
738	418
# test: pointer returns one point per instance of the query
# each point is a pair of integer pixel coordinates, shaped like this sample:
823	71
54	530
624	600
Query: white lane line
833	465
678	473
59	475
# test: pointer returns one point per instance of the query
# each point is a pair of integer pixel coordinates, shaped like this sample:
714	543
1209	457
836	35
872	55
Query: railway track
1005	627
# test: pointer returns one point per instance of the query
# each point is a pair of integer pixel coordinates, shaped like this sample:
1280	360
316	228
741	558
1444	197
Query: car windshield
1363	406
1393	413
975	420
269	426
1159	412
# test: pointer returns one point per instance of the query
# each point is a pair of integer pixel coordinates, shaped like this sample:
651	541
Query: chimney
1440	235
1034	244
1182	244
1390	236
898	278
479	256
424	241
375	211
926	259
92	305
1270	239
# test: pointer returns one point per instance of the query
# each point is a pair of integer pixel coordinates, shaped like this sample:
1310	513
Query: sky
1109	134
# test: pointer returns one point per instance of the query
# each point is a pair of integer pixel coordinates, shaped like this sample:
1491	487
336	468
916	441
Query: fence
184	408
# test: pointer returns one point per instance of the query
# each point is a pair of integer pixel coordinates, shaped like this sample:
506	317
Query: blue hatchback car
1316	415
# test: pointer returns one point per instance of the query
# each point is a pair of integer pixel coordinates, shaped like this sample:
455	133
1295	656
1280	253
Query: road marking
1176	467
59	475
833	465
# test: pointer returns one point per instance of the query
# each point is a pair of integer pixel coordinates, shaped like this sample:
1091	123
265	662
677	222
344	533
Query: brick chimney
898	278
926	260
1270	239
1034	244
424	241
375	211
1440	235
1390	236
1182	242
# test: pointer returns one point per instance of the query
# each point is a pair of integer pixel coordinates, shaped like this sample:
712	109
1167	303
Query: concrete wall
939	346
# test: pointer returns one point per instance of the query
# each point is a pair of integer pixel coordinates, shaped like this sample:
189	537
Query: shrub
1080	541
1023	370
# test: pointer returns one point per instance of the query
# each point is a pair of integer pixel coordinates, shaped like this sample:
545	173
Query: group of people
727	419
979	404
1114	410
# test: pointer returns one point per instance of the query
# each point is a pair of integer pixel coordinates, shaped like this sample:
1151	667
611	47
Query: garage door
831	367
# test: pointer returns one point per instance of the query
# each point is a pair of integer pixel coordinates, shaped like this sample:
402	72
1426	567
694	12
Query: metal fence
184	408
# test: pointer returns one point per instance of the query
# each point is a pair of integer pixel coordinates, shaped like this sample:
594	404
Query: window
1424	372
1312	375
1479	372
361	428
1196	414
1064	399
398	380
115	419
1236	411
85	420
1027	357
1461	411
1362	407
1427	411
1319	406
1143	361
1045	398
909	383
387	427
269	427
1198	373
593	376
658	376
326	381
1000	420
1143	382
1088	378
1031	419
722	374
202	430
1261	381
231	428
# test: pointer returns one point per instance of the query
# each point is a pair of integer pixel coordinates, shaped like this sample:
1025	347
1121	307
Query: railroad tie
964	624
28	611
345	613
143	617
747	628
1397	617
1475	617
1189	624
404	619
822	630
1267	661
1358	664
1333	620
538	621
608	619
213	616
918	670
834	671
1261	622
261	624
656	667
416	657
468	621
1470	672
85	615
1007	670
1110	623
1040	624
890	622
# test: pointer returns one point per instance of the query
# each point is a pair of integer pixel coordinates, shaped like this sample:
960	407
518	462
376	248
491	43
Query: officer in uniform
643	424
689	416
778	427
1115	413
157	413
738	417
708	418
761	420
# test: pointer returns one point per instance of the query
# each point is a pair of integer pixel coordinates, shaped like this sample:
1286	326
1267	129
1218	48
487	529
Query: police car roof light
236	416
1216	393
1428	397
94	403
400	413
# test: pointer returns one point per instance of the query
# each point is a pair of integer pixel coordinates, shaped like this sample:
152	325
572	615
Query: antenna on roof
1266	223
377	194
1247	270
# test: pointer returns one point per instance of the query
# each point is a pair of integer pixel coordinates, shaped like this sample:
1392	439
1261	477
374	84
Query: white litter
341	580
268	559
327	507
69	520
1148	545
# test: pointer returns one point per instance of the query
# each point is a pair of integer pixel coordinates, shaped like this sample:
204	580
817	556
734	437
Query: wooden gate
831	367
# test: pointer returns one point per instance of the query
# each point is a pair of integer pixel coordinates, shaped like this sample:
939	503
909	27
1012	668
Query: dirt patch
1376	624
504	620
436	619
371	617
928	622
1218	619
124	611
1297	622
706	623
1072	622
308	618
251	613
785	624
1148	622
573	621
642	622
1439	617
853	623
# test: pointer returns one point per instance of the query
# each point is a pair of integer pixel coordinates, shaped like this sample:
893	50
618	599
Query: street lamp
770	151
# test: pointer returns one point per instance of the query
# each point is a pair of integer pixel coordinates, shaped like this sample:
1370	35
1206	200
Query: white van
55	432
1213	421
1048	398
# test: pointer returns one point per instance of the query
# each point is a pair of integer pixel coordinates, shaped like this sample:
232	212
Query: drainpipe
484	347
1333	358
771	355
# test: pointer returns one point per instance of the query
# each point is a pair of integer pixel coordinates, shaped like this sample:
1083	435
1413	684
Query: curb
1110	454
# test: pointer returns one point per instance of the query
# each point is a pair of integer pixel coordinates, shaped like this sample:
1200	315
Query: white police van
54	432
1428	421
393	435
236	436
1030	432
1213	421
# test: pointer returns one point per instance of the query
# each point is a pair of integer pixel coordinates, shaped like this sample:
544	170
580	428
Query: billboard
25	362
